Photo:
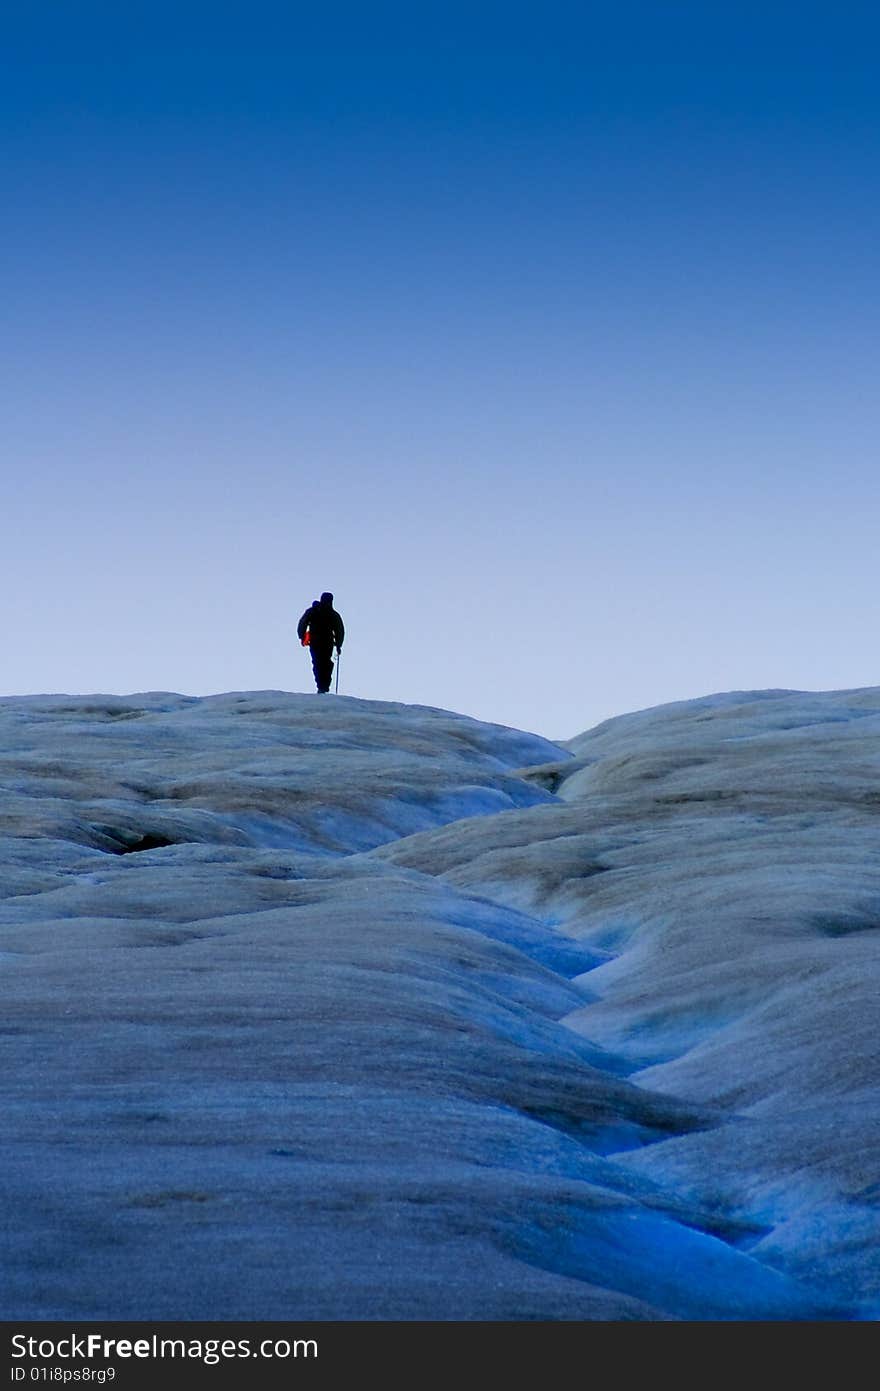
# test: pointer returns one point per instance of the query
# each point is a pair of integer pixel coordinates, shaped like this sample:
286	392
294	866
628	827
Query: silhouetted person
325	630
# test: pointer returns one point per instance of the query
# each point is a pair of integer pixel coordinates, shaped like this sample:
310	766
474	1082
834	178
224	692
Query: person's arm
303	624
338	631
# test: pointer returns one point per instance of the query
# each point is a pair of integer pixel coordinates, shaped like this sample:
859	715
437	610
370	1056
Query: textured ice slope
269	1054
725	854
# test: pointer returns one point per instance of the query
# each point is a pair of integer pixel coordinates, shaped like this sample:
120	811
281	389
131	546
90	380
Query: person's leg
317	665
322	665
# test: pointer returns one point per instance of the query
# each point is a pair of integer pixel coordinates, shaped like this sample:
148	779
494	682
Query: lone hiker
319	629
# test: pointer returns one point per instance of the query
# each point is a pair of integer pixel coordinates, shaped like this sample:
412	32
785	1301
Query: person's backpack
307	635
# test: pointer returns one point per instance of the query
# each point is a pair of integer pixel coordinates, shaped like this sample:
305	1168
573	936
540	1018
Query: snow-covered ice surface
328	1008
724	854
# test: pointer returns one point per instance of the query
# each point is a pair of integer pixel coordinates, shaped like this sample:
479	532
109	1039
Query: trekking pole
338	660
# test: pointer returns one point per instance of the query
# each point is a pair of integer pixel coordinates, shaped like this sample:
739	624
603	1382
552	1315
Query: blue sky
544	336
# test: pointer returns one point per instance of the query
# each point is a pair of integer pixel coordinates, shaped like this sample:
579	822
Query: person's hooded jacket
324	625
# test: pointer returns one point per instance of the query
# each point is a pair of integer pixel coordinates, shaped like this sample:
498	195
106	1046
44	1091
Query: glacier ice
346	1009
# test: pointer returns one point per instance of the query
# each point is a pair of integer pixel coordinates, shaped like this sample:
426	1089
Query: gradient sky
544	335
